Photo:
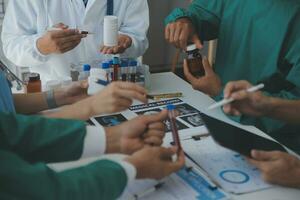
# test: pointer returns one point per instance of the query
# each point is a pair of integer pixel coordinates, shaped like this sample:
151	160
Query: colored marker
174	129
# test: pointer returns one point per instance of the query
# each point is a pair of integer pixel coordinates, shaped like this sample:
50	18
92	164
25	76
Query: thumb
167	153
207	67
261	155
84	84
162	116
196	40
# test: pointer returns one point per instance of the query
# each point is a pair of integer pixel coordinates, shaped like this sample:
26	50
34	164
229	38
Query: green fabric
258	41
19	179
42	139
27	143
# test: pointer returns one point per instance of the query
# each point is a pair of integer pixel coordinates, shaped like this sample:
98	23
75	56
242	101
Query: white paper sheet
229	169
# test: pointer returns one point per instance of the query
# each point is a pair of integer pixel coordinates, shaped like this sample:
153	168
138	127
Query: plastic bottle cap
124	63
116	61
105	65
170	107
86	67
191	47
133	63
34	77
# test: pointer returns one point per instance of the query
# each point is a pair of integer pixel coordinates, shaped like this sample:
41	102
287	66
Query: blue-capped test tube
124	69
172	119
105	66
133	70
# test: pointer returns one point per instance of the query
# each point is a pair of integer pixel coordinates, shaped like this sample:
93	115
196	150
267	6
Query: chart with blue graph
204	189
229	169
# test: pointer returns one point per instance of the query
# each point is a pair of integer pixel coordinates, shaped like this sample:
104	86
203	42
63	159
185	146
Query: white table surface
169	82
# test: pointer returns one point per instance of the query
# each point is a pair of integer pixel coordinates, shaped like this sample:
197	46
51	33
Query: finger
263	155
157	126
240	95
84	84
197	41
207	67
154	133
132	94
65	33
162	116
256	163
153	141
110	50
183	40
104	49
236	112
131	86
71	38
118	49
178	164
167	32
188	74
172	33
61	25
235	86
177	34
68	46
124	102
167	153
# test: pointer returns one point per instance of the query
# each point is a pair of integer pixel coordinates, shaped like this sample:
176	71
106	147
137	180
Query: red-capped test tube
174	129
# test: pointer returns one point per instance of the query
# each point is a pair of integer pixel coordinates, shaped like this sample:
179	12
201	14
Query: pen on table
230	100
164	96
101	82
210	184
147	192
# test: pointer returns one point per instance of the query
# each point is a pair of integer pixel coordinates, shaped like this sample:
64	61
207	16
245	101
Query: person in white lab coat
26	41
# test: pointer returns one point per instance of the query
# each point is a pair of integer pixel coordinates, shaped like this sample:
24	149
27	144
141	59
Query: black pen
147	192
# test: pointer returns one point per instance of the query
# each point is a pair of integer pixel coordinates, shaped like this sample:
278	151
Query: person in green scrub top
116	97
28	143
258	41
277	167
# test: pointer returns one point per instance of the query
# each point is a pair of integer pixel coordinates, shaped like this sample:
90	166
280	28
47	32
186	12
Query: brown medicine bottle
34	83
194	60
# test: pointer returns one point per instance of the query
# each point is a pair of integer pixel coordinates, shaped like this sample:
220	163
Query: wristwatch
51	99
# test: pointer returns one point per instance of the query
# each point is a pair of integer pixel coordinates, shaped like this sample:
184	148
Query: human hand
181	32
156	162
137	133
124	42
254	104
116	97
277	167
70	94
210	83
59	41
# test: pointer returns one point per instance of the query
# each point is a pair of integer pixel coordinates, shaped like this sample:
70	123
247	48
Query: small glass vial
194	60
34	83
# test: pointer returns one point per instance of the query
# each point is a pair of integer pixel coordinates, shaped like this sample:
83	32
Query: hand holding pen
59	39
245	99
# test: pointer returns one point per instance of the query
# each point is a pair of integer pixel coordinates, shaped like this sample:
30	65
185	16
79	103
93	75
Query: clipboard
237	139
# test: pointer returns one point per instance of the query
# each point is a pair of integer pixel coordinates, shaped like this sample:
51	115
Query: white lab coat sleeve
19	33
94	142
136	25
